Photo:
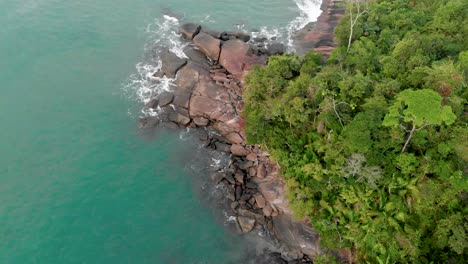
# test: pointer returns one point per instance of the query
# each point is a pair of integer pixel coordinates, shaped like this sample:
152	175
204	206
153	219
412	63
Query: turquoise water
78	181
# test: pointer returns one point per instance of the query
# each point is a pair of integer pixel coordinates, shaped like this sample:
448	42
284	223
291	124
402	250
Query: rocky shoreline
319	35
208	94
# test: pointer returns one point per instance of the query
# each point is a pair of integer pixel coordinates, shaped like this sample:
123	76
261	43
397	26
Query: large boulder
179	119
246	223
238	58
208	44
276	49
189	30
165	98
171	63
239	150
196	56
232	56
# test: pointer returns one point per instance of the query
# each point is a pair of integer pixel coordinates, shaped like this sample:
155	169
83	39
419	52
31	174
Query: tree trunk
409	138
351	27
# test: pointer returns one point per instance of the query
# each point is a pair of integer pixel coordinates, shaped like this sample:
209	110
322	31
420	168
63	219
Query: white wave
229	218
185	135
142	86
309	11
171	18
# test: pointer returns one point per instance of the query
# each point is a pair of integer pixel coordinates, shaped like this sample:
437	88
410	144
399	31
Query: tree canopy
373	141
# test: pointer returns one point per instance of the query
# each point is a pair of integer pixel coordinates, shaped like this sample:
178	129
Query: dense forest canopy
373	141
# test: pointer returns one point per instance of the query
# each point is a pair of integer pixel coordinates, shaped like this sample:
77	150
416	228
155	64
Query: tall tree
418	109
356	8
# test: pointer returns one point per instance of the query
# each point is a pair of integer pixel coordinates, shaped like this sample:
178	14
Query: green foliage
337	129
422	107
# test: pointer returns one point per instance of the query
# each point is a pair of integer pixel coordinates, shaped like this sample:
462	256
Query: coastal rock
276	49
152	104
252	157
189	30
179	119
238	150
235	138
296	235
261	172
242	36
148	122
238	192
261	203
223	147
272	258
239	178
217	177
171	63
197	57
252	171
246	223
209	45
201	121
230	179
238	58
267	210
234	205
165	98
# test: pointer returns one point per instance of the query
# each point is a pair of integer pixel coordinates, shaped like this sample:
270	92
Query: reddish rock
261	171
220	78
239	178
201	121
209	45
267	210
237	58
246	224
252	157
261	203
252	171
238	150
234	138
179	119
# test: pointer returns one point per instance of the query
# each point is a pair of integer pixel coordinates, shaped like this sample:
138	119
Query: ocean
79	183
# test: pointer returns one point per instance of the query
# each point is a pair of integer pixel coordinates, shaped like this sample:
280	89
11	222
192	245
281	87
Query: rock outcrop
208	93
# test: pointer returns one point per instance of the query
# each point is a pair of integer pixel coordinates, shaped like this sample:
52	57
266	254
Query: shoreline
208	94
